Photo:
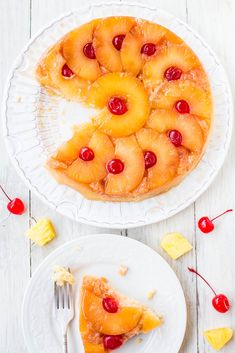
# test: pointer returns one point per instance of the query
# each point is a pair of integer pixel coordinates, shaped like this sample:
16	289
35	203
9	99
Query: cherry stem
5	193
194	271
221	214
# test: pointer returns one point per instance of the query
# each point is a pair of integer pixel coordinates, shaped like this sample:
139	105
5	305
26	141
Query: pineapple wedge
42	232
175	245
218	337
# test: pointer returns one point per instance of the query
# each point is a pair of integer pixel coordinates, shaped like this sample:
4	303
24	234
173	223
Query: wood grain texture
212	254
14	248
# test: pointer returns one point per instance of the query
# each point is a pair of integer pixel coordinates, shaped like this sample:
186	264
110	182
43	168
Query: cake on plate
153	108
109	319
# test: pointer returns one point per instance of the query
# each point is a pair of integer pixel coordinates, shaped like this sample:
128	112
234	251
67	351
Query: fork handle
65	343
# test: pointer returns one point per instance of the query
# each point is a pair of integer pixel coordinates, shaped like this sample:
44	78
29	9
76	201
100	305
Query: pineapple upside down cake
109	319
153	108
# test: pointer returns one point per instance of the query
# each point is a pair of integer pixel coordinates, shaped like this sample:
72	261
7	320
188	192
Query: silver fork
64	309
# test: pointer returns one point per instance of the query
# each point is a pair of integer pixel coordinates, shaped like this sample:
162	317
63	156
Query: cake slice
108	319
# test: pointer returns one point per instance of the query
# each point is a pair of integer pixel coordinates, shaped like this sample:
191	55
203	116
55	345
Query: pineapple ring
192	135
67	158
107	29
167	157
143	32
179	56
130	89
49	74
129	152
72	50
198	99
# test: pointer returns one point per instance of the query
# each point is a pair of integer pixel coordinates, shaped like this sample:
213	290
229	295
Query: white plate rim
113	223
91	237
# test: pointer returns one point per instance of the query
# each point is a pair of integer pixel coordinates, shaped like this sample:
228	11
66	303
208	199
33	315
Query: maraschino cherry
117	106
112	342
117	41
66	71
173	73
110	305
148	49
15	206
86	154
182	107
115	166
175	137
150	159
89	51
220	302
206	225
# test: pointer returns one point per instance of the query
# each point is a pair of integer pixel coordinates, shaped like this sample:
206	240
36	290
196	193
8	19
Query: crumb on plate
151	294
122	270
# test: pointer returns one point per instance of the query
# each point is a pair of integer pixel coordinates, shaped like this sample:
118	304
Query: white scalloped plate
35	124
101	255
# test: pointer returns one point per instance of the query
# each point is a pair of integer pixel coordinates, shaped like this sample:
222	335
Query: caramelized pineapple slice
149	321
167	157
218	337
129	89
94	170
177	56
49	74
89	337
199	101
143	33
165	120
69	151
125	320
42	232
74	48
107	51
129	152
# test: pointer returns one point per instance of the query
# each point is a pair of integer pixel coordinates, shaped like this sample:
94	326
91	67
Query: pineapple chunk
218	337
175	245
151	294
62	276
42	232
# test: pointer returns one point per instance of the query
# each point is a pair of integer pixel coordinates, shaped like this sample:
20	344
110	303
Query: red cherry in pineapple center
112	342
89	51
150	159
148	49
86	154
110	305
115	166
66	71
206	225
175	137
117	41
220	302
182	107
173	73
16	205
117	106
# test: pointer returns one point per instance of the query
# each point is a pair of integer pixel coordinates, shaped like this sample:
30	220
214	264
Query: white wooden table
213	255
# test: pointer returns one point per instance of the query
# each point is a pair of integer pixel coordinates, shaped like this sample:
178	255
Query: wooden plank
14	247
215	253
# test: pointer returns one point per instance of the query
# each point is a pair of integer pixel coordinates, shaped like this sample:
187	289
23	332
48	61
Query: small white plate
36	123
102	255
